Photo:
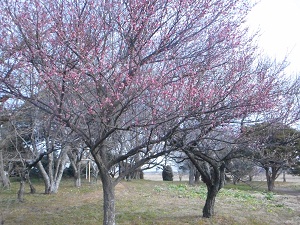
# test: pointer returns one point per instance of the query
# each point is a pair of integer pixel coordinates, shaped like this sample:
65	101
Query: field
153	202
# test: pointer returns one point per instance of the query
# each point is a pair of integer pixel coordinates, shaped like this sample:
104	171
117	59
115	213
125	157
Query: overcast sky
279	24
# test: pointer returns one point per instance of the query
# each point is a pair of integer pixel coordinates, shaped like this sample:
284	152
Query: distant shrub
167	173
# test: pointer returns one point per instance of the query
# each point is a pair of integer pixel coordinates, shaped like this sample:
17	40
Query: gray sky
279	24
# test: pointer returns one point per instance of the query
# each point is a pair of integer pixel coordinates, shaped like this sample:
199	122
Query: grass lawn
150	202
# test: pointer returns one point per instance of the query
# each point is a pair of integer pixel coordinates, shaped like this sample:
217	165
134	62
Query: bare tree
4	119
242	169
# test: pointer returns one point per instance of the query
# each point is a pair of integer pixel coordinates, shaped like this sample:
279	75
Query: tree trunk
45	176
51	185
3	176
32	188
192	175
235	180
271	185
75	161
21	191
77	179
109	200
208	210
197	177
53	177
108	187
283	174
250	178
271	176
22	187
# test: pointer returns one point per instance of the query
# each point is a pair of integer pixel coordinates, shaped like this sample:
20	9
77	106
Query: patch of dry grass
146	202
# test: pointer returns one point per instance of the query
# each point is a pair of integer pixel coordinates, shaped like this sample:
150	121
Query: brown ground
152	202
286	194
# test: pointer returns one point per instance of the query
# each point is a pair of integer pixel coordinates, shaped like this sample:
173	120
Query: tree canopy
142	70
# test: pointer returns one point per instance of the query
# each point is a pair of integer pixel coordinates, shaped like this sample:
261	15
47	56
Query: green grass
141	202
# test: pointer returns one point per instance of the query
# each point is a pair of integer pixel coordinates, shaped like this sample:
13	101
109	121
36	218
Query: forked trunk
214	184
208	210
271	174
53	177
77	178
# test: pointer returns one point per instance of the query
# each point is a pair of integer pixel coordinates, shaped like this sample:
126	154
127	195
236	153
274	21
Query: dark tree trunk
108	187
271	185
213	175
235	180
3	176
197	177
192	175
77	173
22	187
32	188
109	200
214	185
208	210
250	178
271	175
283	174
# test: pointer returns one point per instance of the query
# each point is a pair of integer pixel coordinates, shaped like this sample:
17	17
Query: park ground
152	201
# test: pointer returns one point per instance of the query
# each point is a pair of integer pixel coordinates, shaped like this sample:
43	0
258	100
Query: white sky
279	24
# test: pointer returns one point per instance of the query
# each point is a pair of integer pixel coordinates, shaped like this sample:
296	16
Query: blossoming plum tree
135	68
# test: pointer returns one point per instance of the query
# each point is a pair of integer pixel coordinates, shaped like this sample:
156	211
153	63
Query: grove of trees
133	80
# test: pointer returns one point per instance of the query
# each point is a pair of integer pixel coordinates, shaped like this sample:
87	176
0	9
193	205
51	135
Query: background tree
210	151
275	147
295	168
241	169
16	134
4	119
186	166
76	153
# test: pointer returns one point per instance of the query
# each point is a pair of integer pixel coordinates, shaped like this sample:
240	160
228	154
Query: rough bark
75	161
45	176
283	175
214	185
77	178
53	177
191	175
22	187
208	210
250	178
108	201
197	177
32	188
271	175
108	187
213	175
3	177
